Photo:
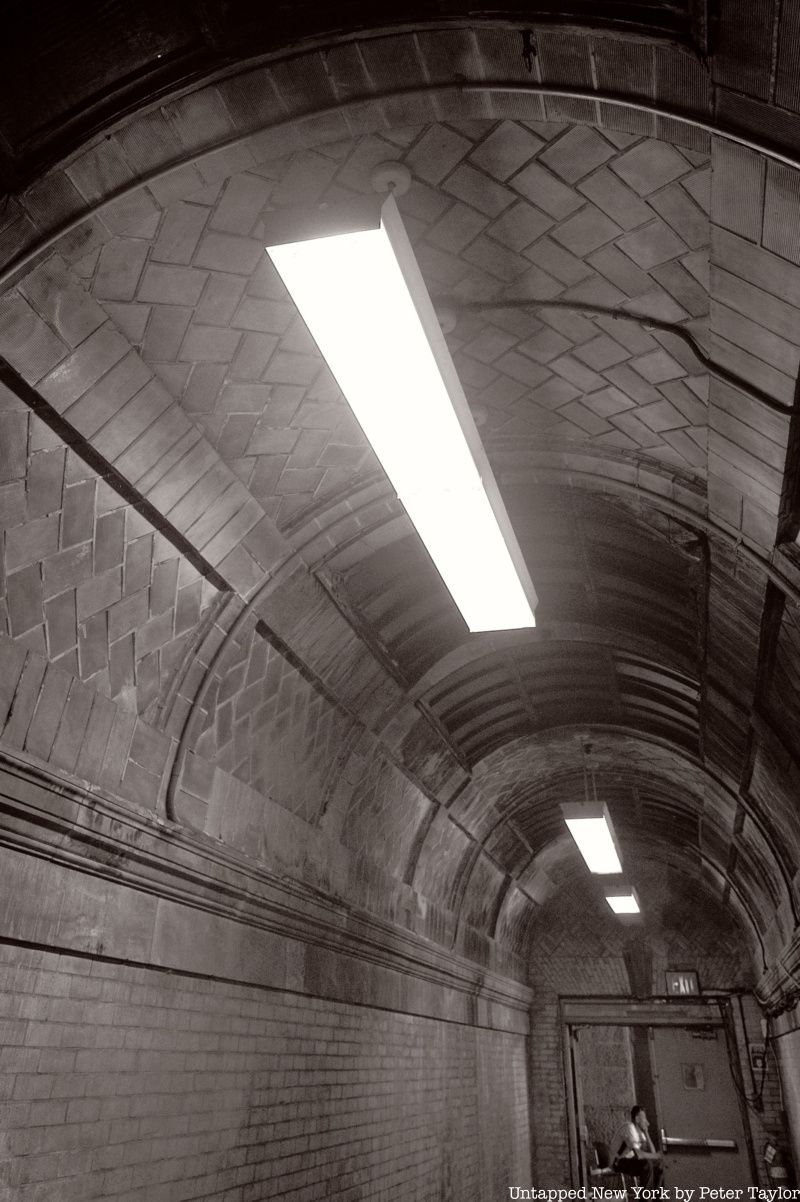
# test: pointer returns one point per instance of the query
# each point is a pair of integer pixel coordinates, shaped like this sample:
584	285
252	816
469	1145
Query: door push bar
712	1145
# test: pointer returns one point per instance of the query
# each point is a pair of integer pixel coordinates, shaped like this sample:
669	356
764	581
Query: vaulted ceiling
202	549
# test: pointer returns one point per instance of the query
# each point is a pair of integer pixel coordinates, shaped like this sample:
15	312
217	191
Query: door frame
703	1011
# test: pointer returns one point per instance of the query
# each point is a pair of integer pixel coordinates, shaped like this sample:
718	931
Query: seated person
635	1155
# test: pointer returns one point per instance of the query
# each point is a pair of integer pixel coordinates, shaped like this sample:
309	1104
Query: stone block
615	199
149	748
456	229
576	153
45	482
242	202
650	165
756	340
12	660
67	569
601	352
657	367
100	170
229	252
13	446
101	351
438	151
478	191
99	593
220	297
26	696
544	190
133	213
519	226
153	634
286	368
127	614
129	422
162	590
26	341
496	260
24	598
202	391
77	524
62	633
165	332
69	310
140	786
109	541
209	344
171	285
688	221
121	670
781	211
203	493
102	402
176	482
47	715
180	232
52	200
93	644
652	244
199	119
145	455
263	316
119	269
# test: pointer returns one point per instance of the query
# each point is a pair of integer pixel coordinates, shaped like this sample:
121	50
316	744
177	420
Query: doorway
675	1063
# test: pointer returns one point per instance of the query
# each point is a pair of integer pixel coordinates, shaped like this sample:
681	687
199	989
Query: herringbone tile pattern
498	212
265	724
85	581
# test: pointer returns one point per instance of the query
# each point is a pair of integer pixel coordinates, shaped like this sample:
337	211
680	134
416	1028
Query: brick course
136	1085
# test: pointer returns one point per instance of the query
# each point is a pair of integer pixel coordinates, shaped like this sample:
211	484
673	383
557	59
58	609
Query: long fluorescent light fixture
362	296
590	826
624	903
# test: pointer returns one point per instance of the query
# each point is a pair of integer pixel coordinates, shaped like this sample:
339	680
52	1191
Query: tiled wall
124	1083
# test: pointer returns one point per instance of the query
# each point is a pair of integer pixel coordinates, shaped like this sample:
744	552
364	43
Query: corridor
288	905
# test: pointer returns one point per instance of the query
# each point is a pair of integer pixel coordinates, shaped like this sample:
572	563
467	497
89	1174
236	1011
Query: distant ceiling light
623	903
590	826
362	296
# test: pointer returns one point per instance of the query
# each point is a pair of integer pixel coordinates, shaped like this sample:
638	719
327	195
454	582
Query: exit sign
682	984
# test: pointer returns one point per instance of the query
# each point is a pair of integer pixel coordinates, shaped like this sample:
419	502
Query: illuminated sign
682	984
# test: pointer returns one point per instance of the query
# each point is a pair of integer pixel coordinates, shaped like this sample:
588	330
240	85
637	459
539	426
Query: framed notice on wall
682	983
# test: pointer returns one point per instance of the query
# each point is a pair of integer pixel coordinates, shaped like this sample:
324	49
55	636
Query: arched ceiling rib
81	69
664	807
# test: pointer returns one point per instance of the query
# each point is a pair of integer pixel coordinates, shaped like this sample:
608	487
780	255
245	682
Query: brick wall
121	1082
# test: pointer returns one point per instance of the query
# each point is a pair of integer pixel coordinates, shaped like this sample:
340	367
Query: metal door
702	1135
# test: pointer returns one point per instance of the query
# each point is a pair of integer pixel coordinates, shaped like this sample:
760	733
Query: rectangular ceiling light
363	298
590	826
623	903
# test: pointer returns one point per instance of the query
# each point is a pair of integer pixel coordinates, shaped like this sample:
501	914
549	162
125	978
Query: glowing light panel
595	842
623	903
366	306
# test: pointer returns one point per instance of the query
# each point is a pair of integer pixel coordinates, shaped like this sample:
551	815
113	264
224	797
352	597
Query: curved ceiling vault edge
541	90
692	518
14	266
735	797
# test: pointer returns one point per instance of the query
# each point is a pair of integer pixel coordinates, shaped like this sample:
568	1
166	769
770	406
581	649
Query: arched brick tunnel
288	906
